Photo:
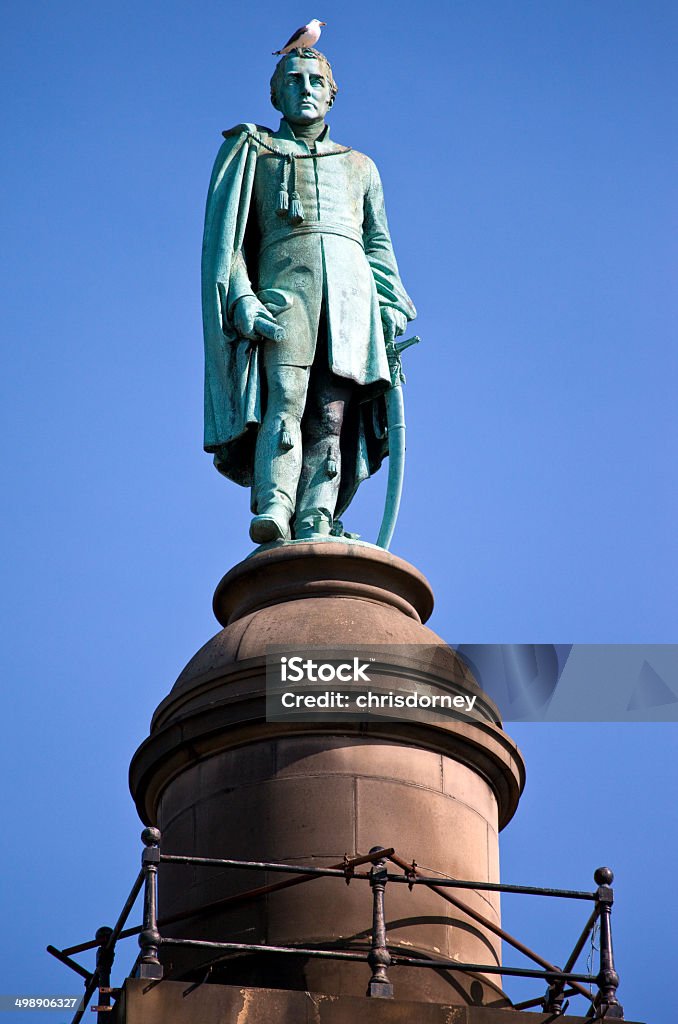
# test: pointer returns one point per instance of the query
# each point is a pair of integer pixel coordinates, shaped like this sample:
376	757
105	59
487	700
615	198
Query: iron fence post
608	1006
105	957
379	958
149	939
554	1000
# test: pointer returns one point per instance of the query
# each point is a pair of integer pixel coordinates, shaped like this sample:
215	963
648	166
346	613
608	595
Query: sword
395	419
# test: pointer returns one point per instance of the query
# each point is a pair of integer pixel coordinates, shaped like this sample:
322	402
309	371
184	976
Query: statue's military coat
337	263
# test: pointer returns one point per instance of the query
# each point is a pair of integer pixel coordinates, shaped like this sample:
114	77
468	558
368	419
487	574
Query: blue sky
528	154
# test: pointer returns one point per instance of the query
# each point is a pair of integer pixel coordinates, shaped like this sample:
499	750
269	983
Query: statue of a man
297	249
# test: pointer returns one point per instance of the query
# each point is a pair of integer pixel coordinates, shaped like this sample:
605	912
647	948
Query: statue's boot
276	475
312	522
272	524
318	488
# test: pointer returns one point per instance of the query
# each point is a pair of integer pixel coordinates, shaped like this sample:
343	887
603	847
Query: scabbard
395	418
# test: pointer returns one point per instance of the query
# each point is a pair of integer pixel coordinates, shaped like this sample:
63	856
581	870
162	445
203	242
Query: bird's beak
322	22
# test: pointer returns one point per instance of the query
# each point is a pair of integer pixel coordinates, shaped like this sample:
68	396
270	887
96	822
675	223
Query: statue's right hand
245	313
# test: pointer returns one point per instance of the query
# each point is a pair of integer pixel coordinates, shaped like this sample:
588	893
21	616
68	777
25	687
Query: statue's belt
309	228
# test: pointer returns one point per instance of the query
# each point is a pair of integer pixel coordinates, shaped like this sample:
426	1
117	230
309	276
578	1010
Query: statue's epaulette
256	129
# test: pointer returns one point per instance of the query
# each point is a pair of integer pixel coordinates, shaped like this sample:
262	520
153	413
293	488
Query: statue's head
302	86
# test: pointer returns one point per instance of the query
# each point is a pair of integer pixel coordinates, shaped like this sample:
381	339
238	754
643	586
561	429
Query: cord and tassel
296	214
292	208
286	442
283	194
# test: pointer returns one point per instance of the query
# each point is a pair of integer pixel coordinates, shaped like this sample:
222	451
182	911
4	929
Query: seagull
307	35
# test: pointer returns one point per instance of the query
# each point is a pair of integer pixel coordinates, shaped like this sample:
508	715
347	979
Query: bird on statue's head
306	36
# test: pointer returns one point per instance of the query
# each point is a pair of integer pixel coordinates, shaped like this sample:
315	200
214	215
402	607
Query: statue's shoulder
365	165
247	128
360	158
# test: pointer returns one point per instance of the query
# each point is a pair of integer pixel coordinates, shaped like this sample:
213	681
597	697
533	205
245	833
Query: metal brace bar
491	926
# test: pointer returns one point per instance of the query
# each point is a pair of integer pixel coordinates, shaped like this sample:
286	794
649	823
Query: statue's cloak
233	385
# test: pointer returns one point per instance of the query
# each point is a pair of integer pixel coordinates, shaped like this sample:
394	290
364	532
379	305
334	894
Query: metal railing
561	982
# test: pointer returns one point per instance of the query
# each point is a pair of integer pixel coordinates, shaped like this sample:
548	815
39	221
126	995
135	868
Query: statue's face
305	95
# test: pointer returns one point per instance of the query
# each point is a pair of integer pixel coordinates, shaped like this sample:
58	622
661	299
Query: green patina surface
302	302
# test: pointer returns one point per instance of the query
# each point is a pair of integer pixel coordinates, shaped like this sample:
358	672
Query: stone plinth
169	1001
220	781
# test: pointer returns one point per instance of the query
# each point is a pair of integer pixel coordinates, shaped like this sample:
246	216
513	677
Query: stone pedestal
220	781
142	1003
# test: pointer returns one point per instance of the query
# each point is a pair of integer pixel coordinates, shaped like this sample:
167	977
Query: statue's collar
285	132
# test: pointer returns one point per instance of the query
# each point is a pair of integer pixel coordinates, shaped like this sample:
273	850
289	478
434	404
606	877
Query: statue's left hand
394	322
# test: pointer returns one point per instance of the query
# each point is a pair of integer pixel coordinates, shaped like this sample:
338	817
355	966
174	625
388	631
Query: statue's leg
321	467
278	455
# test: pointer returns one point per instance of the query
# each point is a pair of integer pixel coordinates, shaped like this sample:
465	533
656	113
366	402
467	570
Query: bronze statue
301	297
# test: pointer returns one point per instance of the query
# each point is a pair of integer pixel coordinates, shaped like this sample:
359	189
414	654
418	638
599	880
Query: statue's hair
310	54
